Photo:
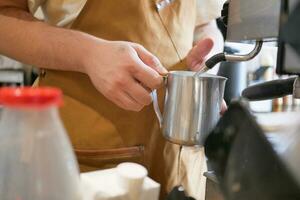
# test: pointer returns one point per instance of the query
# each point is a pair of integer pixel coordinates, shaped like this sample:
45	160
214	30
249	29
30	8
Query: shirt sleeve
208	10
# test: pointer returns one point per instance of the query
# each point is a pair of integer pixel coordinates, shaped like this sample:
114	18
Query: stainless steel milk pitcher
192	106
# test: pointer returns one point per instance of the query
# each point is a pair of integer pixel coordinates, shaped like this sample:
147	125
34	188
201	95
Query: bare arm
124	72
34	42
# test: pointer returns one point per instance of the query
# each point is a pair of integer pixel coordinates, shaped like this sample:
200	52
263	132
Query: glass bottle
36	158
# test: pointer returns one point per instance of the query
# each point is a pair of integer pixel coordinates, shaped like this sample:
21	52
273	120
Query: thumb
197	54
149	59
203	47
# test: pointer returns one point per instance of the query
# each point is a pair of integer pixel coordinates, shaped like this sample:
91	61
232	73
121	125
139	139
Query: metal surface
211	62
253	20
249	56
192	106
291	60
296	89
236	72
10	77
202	70
288	57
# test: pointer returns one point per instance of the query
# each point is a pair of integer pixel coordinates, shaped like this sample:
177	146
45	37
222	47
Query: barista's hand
197	55
224	107
124	73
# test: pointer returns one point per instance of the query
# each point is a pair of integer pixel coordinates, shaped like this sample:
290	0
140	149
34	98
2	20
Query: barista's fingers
197	54
139	93
145	74
203	47
224	107
124	101
149	59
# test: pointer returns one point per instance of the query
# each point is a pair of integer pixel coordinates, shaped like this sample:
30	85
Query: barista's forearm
37	43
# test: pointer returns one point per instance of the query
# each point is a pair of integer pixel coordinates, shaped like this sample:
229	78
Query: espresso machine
246	164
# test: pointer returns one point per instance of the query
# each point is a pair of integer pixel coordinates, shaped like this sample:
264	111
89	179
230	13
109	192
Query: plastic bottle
36	158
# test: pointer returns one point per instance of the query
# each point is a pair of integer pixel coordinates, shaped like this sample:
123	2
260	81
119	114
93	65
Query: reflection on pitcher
192	106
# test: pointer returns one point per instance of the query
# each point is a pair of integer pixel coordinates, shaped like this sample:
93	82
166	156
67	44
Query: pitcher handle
156	107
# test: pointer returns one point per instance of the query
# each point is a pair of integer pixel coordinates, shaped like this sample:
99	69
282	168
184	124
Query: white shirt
64	12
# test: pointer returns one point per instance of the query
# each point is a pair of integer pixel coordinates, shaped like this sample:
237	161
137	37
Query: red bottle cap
30	96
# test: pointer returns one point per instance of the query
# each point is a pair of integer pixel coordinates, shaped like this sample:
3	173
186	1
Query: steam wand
210	63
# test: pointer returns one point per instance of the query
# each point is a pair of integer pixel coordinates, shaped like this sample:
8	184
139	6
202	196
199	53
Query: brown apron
102	134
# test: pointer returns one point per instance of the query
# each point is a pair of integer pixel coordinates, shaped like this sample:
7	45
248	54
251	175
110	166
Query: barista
107	56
